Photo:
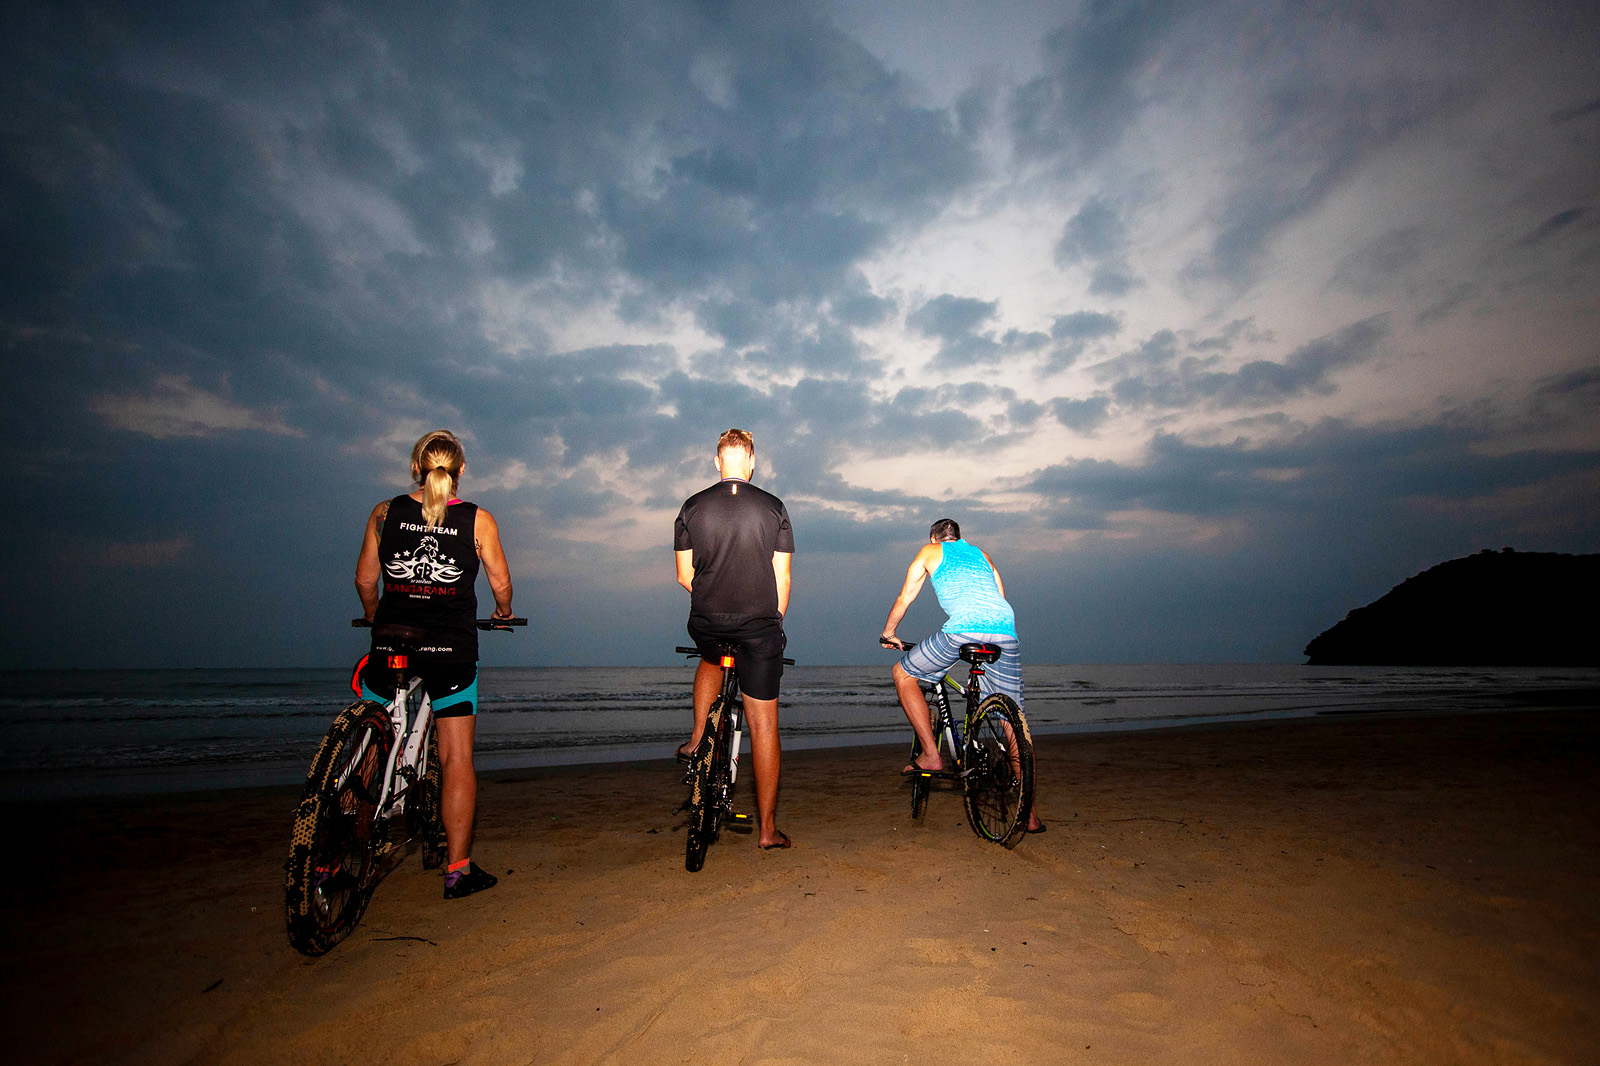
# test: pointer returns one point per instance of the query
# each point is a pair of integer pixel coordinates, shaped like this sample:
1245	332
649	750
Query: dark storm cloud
1098	236
1095	232
1326	469
1075	332
1454	297
1313	135
1565	401
281	218
1311	125
1553	225
1158	374
1568	114
1230	334
1087	97
253	251
1380	265
329	186
951	317
956	320
1085	326
1081	416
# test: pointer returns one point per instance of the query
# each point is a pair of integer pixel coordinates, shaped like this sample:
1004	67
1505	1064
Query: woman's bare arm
368	569
486	535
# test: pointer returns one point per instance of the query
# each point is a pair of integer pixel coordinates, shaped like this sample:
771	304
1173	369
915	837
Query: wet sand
1384	890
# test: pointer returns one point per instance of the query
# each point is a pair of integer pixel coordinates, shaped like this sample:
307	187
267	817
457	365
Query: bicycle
714	767
366	800
992	751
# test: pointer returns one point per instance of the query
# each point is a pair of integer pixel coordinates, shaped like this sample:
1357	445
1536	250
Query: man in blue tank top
973	596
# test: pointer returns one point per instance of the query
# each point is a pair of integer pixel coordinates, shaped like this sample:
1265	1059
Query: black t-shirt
428	578
733	528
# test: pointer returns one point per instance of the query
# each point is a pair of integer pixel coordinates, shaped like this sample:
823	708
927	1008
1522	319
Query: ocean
129	731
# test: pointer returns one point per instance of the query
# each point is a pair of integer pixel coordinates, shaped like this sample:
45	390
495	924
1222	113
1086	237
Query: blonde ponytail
436	464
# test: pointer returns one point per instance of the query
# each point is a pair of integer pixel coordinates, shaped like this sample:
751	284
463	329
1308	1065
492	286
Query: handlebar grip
482	623
696	651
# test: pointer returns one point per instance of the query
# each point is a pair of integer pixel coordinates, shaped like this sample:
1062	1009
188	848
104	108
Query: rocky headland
1505	608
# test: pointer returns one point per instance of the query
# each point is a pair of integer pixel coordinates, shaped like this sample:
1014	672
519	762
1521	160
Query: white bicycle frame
409	754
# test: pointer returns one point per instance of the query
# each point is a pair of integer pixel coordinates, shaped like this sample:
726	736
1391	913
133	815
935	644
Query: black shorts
759	662
452	688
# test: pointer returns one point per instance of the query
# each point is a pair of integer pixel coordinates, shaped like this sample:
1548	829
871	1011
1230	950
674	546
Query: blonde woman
419	562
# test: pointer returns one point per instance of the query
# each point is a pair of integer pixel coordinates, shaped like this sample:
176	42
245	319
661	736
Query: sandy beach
1405	890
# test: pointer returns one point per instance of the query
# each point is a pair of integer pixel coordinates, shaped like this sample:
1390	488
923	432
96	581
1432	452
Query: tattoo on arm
383	513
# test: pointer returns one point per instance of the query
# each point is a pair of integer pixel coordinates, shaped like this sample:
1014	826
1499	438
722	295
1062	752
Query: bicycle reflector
727	662
397	662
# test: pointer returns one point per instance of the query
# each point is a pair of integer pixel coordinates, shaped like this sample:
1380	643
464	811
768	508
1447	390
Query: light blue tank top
969	594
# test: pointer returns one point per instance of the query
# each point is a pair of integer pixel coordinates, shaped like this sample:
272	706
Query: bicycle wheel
333	857
425	810
701	801
999	764
921	786
720	800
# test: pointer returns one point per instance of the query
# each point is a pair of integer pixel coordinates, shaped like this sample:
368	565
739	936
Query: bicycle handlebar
481	623
696	651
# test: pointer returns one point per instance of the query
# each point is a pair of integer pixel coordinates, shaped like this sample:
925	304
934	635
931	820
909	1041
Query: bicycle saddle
980	653
410	635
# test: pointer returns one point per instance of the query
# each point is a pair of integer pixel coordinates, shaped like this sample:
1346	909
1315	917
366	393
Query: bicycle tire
999	771
700	791
332	865
921	786
425	817
721	801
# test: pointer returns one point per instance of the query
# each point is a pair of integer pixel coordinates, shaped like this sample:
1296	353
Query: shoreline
1388	888
24	786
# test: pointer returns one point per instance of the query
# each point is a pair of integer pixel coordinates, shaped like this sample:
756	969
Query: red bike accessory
355	678
727	662
397	662
457	867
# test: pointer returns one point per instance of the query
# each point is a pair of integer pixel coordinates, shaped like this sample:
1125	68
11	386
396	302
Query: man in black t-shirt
733	546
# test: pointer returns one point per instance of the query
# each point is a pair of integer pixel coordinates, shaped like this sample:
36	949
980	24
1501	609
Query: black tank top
428	579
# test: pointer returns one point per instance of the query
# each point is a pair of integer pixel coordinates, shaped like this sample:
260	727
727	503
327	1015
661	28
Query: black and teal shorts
451	687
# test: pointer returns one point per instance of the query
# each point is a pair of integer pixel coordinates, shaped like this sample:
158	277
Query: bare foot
780	839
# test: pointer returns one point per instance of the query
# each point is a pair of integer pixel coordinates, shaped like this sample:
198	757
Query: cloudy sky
1209	320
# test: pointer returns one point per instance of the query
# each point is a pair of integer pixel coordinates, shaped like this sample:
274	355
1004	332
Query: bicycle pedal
741	819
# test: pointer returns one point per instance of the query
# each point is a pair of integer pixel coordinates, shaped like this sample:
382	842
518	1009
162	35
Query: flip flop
684	756
1042	828
782	842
